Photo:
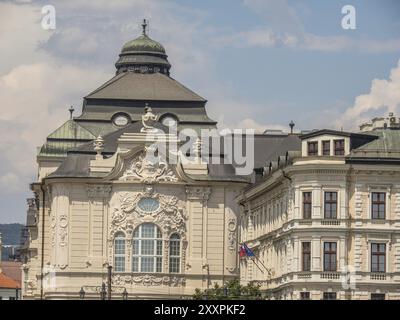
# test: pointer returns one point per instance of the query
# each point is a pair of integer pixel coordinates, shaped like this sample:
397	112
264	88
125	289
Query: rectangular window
330	205
307	205
119	255
147	264
326	148
306	255
159	264
119	262
174	264
378	257
329	295
377	296
378	205
330	253
304	295
312	148
339	147
135	264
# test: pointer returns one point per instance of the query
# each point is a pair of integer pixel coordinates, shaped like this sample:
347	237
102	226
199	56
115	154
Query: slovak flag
245	251
242	252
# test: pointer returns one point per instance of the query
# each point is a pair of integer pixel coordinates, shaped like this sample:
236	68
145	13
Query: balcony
377	276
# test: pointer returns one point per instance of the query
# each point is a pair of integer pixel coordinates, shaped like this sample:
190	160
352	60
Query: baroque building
107	195
115	192
324	218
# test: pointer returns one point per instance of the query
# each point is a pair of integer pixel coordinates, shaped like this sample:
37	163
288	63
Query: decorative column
98	196
60	212
197	208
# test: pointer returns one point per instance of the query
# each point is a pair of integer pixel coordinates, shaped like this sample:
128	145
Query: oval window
169	121
148	204
121	121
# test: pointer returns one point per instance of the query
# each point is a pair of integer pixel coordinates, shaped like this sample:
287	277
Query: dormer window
339	147
326	148
312	149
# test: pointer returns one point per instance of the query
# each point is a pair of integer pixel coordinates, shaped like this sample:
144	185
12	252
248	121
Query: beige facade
314	247
78	222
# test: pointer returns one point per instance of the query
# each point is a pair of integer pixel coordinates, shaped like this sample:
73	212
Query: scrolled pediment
146	165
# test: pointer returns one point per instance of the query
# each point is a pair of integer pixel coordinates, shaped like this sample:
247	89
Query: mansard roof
145	87
385	147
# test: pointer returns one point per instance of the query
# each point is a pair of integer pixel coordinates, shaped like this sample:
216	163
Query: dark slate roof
387	146
102	112
146	87
268	148
316	133
111	139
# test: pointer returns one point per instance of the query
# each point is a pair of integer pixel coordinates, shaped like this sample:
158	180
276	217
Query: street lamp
82	294
125	294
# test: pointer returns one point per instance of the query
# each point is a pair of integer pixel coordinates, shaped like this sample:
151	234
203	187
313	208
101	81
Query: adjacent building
325	218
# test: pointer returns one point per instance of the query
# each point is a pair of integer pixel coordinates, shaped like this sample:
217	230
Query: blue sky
259	63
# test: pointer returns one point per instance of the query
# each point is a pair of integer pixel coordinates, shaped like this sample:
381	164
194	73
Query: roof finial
71	111
291	125
144	26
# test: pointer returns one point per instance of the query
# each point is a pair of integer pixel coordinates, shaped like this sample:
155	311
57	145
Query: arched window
147	249
174	253
119	252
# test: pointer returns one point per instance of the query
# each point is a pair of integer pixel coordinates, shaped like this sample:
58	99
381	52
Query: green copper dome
143	43
143	55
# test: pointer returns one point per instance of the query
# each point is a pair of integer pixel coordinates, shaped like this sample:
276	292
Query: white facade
164	232
335	260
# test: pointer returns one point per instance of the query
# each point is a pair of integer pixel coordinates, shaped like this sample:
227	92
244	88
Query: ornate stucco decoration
202	193
169	215
232	234
149	280
148	167
148	120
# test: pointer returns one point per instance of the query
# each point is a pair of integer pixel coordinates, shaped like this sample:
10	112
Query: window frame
330	202
119	236
339	151
378	203
307	203
315	151
378	254
376	294
306	254
306	294
326	295
140	258
332	266
176	257
324	143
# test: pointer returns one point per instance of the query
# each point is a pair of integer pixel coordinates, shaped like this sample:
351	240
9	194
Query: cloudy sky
259	63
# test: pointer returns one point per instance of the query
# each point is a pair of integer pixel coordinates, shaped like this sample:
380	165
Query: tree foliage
231	291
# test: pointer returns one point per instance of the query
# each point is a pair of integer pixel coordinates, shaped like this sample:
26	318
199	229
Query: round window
148	204
121	120
169	121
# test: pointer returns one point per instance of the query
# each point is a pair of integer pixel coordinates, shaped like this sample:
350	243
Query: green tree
230	291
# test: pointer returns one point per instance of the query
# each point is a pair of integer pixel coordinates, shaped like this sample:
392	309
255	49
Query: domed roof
143	43
143	55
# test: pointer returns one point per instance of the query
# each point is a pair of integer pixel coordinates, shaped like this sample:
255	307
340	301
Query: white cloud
44	72
283	27
384	96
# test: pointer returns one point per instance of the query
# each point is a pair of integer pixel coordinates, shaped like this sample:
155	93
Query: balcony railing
325	277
